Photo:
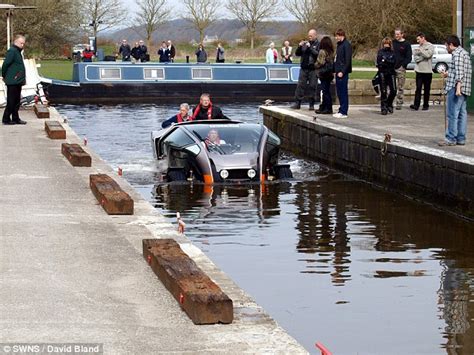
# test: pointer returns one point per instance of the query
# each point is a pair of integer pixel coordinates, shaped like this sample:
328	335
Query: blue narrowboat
112	82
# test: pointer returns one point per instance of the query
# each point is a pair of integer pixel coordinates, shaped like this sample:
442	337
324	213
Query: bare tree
306	12
151	14
103	14
252	12
48	27
201	14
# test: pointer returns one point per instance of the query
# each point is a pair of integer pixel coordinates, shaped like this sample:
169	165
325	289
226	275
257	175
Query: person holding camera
220	53
308	51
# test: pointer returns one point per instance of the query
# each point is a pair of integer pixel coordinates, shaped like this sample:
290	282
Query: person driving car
213	138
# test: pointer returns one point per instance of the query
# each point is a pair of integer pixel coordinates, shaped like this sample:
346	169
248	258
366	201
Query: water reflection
329	257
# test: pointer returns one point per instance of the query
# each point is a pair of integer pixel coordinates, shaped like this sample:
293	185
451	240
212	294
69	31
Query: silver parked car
441	58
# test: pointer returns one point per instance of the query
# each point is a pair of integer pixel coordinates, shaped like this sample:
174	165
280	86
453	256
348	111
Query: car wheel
284	172
176	175
440	67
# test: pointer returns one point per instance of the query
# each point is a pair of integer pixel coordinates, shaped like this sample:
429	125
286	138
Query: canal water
331	258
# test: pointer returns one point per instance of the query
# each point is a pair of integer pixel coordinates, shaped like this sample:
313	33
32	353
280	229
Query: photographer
308	51
201	55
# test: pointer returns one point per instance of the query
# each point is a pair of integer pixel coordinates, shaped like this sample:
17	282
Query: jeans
387	81
326	104
456	114
423	80
342	91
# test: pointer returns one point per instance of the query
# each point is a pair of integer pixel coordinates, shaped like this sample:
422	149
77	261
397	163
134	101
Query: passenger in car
207	111
182	116
213	138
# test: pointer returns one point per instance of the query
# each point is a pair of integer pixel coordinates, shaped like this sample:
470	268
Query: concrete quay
70	273
412	163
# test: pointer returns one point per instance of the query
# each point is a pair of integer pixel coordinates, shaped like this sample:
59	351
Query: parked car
441	58
235	152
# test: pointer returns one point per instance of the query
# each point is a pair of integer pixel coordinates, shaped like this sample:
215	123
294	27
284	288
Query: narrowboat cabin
125	82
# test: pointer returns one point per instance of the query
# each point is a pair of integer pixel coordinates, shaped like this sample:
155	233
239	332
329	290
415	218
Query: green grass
56	69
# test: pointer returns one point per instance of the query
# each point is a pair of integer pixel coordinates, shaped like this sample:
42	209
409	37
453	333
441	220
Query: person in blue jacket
164	53
181	116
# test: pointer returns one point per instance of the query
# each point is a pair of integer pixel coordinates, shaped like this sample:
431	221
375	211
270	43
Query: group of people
286	54
392	60
319	60
166	52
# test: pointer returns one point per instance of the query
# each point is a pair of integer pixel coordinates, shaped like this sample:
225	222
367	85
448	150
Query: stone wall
411	169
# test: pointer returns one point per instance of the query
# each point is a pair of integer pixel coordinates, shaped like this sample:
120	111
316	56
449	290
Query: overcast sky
132	6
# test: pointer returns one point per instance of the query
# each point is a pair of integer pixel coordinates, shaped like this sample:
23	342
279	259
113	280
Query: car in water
218	151
441	59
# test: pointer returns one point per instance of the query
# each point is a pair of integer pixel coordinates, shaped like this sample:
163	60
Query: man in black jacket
403	54
207	111
14	76
308	51
125	51
342	68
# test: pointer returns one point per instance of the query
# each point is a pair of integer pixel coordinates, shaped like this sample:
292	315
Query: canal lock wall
445	180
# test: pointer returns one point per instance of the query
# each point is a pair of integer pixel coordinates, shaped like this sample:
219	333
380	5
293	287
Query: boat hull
167	92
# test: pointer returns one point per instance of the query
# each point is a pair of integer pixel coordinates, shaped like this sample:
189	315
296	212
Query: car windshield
228	138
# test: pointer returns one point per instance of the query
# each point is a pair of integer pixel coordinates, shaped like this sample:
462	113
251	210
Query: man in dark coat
308	51
207	111
402	49
143	51
14	76
125	51
342	68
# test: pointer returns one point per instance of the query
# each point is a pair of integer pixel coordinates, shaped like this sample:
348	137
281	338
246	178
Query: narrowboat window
154	73
202	73
278	74
110	73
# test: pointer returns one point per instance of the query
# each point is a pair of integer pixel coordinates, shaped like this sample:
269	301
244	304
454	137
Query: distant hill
180	30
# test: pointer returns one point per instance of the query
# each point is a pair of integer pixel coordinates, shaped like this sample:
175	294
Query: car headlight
224	174
251	173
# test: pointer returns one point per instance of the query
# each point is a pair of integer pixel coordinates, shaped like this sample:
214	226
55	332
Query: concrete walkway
425	128
70	273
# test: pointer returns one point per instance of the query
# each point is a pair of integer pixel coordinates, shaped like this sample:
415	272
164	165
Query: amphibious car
218	151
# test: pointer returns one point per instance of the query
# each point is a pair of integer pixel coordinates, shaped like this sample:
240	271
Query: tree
48	27
253	12
306	12
201	14
151	14
428	16
102	14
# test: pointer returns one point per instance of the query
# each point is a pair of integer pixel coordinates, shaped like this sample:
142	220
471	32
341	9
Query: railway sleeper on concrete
202	300
111	197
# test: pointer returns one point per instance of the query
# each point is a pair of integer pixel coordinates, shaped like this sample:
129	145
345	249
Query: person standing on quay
402	50
14	76
457	89
423	70
342	68
386	66
308	51
325	72
286	53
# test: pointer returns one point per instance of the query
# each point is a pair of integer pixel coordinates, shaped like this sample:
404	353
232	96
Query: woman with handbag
325	70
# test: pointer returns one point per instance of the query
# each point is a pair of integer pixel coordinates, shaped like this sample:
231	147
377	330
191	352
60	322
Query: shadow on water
329	257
